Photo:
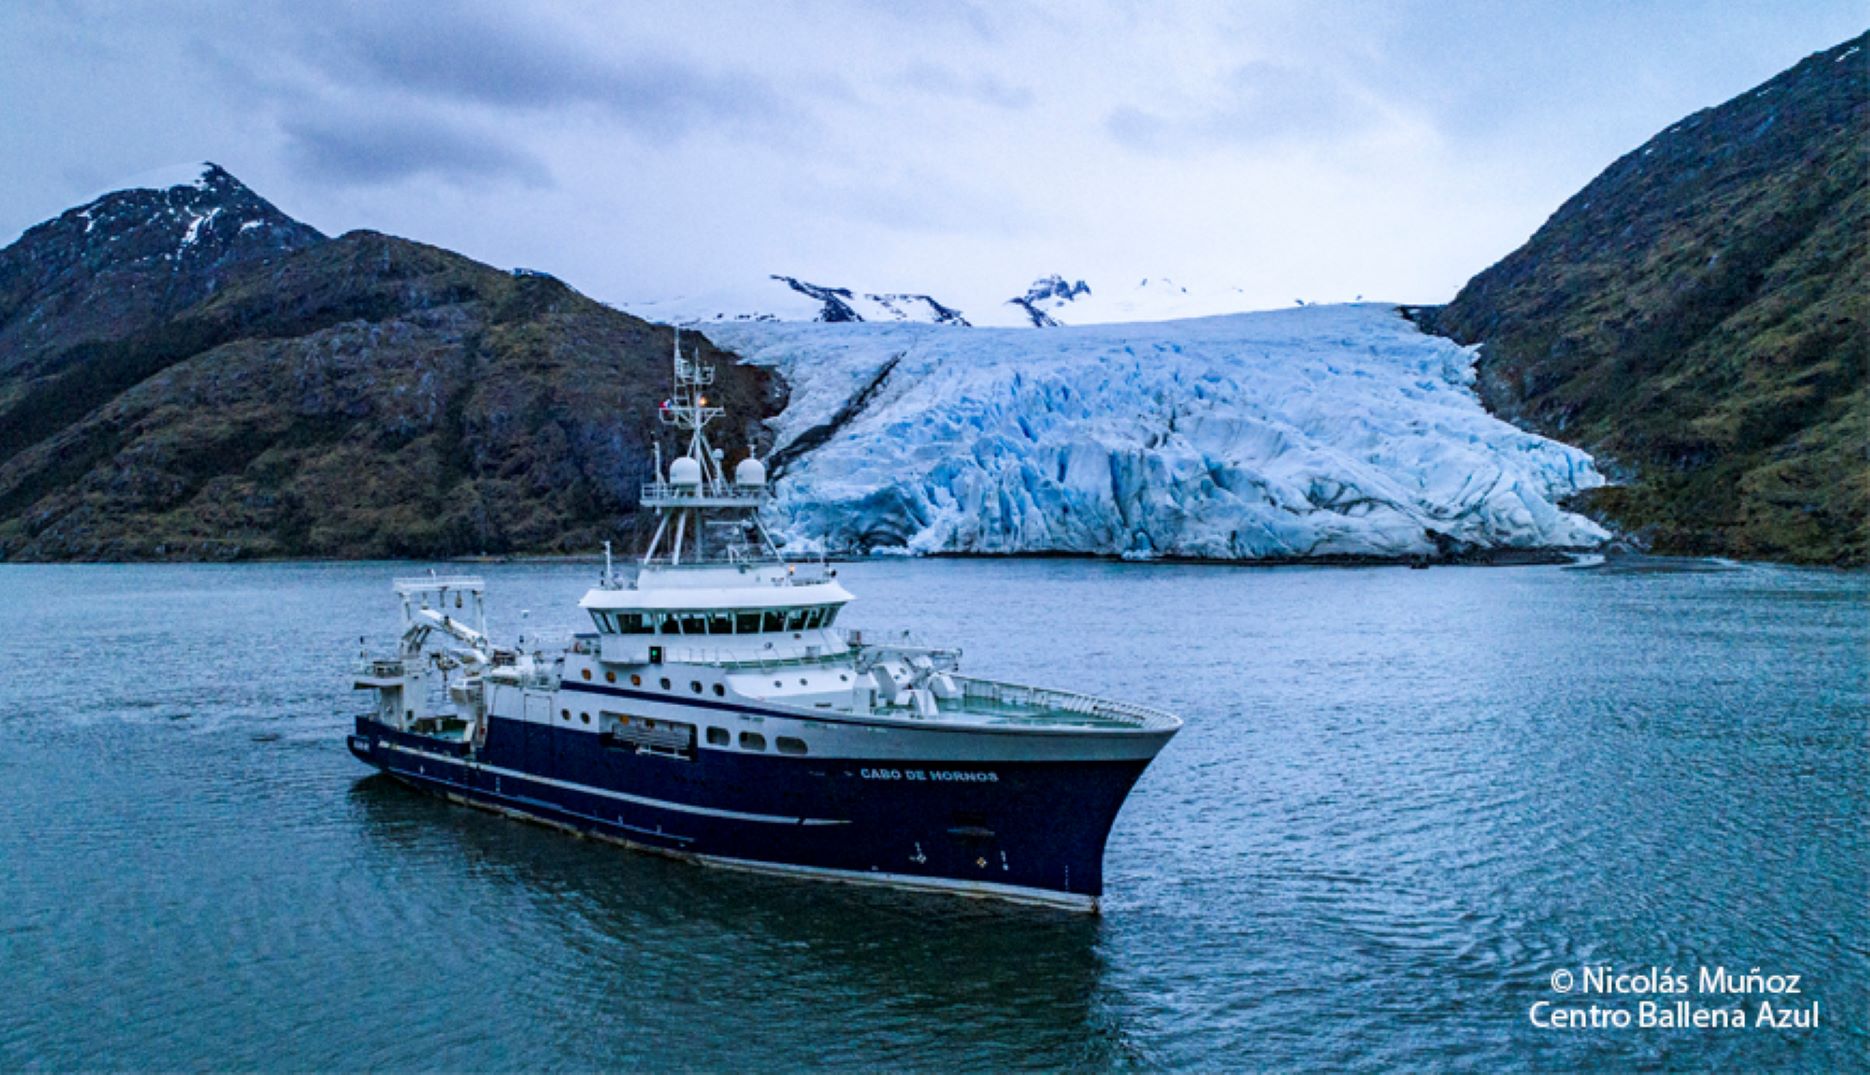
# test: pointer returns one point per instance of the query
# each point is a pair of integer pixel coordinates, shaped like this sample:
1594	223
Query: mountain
788	298
1051	302
1048	302
179	381
1696	317
131	259
1047	295
1315	433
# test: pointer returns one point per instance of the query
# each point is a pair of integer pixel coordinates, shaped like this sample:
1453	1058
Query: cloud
1259	103
370	151
486	58
940	81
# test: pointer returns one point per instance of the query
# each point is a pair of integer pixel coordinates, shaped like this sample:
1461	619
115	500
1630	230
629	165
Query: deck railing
1043	698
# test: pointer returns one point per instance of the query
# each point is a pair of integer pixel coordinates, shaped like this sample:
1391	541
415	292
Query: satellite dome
750	472
685	471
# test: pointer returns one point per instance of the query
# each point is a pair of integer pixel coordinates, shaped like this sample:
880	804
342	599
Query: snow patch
1327	430
196	222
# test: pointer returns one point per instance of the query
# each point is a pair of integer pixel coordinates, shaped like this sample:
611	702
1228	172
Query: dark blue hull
1032	831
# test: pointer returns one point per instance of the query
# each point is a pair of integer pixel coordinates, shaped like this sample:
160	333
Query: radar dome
750	472
685	471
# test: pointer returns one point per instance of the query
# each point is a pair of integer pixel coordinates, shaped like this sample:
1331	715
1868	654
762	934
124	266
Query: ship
717	712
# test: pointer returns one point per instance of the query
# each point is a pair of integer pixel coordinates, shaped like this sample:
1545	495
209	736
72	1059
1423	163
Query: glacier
1317	432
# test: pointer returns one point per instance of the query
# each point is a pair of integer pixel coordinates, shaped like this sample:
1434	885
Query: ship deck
989	702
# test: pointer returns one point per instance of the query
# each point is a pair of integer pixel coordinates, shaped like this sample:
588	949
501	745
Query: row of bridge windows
723	622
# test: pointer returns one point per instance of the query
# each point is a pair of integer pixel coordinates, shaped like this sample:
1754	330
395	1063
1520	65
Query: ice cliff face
1337	430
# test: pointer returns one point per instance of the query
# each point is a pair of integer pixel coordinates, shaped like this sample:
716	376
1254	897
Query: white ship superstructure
718	712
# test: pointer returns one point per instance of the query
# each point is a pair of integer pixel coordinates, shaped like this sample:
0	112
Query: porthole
844	677
585	672
718	737
610	677
636	681
586	717
566	713
720	691
788	745
665	683
752	741
803	682
776	683
694	685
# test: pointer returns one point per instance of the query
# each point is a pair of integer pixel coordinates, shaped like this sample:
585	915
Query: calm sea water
1402	800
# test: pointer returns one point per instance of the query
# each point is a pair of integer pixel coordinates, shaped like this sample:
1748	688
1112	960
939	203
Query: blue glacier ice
1319	431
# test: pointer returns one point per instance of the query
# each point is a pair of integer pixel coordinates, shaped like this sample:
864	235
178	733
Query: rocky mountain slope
176	383
131	259
1696	316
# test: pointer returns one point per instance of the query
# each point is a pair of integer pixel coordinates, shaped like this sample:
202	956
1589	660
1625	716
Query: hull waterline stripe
1037	897
639	800
524	807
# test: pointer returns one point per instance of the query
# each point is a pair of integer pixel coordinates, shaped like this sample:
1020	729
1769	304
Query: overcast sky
1293	149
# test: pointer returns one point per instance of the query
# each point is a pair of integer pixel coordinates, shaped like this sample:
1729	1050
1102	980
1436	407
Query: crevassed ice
1327	430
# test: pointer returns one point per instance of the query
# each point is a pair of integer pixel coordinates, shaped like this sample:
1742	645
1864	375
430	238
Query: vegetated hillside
1696	318
358	397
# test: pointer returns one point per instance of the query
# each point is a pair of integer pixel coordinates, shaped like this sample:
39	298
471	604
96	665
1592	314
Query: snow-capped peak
1048	302
198	215
1046	295
843	304
788	298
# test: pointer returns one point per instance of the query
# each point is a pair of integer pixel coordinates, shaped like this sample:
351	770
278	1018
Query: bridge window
795	620
721	623
627	623
752	741
788	745
747	623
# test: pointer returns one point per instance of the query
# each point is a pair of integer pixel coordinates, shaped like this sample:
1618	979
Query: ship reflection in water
715	966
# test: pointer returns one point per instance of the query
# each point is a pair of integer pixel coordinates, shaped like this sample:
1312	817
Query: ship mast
696	487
